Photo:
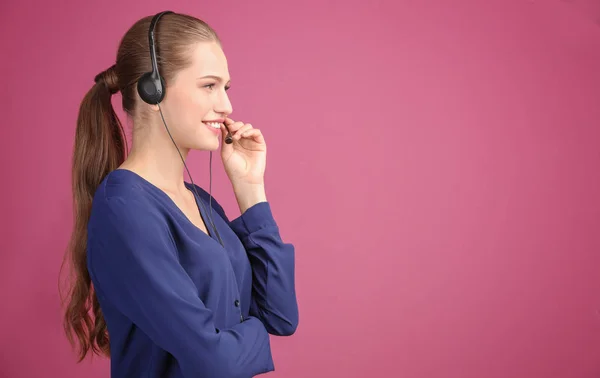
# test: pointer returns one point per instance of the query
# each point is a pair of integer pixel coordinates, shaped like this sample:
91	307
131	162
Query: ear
154	108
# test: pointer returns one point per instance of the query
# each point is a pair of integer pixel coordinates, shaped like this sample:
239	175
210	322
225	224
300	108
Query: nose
223	105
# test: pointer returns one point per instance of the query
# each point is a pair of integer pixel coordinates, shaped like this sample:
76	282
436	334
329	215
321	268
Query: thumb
224	133
225	128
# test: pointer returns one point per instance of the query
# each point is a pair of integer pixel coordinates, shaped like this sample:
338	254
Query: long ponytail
100	148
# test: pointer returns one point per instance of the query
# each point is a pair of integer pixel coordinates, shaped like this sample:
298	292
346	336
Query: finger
254	134
241	130
225	128
233	126
228	121
224	133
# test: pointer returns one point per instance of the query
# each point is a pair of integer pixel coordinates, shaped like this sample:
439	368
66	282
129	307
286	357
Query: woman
181	290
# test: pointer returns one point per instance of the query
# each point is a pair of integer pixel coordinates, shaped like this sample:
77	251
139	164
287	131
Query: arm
274	294
134	265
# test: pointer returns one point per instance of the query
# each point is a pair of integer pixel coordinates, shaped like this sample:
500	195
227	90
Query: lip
219	120
215	131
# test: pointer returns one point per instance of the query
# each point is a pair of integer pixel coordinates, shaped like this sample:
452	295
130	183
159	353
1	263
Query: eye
209	86
227	87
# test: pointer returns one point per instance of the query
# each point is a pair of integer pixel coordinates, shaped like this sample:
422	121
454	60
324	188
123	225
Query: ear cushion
151	88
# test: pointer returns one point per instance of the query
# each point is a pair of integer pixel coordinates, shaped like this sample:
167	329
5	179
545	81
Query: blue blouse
176	303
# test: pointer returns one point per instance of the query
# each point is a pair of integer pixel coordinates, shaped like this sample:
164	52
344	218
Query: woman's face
196	101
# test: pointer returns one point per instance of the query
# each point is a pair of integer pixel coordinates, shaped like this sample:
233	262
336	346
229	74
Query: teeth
216	125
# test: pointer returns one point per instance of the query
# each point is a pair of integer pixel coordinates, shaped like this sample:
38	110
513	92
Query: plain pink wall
440	159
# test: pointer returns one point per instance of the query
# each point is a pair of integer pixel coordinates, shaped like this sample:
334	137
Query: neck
154	157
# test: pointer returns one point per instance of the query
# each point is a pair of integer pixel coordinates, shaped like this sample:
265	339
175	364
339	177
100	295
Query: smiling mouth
214	125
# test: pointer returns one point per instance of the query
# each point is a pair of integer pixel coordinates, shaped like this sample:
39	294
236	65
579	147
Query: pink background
440	159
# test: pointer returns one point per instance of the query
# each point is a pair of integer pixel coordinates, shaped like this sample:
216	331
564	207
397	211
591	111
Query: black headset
151	88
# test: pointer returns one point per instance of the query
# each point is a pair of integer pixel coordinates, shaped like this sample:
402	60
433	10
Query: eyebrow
218	78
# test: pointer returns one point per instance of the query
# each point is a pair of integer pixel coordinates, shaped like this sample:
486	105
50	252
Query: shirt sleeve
134	265
273	266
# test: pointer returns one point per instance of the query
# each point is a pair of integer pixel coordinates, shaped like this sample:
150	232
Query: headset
151	88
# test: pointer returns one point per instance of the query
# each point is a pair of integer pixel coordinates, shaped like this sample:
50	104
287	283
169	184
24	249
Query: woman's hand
244	161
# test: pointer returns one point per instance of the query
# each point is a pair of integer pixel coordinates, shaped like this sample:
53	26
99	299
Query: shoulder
124	203
127	225
129	233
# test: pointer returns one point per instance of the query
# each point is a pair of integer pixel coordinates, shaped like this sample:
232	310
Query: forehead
209	59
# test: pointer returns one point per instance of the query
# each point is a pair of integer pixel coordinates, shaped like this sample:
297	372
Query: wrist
248	195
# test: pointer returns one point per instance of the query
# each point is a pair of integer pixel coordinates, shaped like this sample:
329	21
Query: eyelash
210	86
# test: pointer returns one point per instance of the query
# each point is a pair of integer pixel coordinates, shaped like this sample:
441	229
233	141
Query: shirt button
237	303
241	318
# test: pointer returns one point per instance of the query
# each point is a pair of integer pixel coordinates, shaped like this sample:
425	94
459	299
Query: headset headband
151	40
151	86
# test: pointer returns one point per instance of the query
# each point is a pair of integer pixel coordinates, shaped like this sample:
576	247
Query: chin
206	146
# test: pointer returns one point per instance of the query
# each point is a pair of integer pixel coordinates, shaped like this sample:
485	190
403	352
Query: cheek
190	108
199	109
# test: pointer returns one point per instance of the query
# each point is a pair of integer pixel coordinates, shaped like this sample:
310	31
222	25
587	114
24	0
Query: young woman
164	283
